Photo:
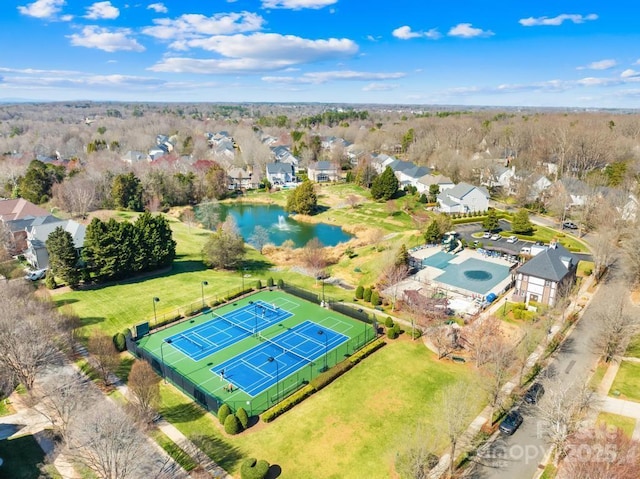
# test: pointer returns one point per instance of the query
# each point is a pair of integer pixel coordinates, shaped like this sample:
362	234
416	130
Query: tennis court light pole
155	316
203	284
271	359
322	333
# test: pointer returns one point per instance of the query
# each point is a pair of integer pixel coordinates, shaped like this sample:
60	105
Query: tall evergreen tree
433	235
490	222
303	199
126	192
35	185
402	258
521	224
385	185
63	258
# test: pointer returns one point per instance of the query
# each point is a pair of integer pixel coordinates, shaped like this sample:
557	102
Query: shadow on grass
182	413
255	266
220	451
22	458
124	368
63	302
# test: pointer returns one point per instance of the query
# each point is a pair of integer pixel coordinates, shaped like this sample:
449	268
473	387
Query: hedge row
321	381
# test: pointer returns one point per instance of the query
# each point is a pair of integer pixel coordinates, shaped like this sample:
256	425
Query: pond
280	226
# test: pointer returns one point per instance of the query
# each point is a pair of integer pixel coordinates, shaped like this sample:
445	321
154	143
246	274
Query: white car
496	237
36	275
486	235
512	239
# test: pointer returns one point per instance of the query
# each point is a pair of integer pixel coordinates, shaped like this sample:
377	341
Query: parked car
570	225
486	235
495	237
511	422
525	250
512	239
36	274
534	393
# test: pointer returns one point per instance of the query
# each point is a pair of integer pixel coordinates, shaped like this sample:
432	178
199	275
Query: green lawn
22	456
350	429
627	424
627	382
633	350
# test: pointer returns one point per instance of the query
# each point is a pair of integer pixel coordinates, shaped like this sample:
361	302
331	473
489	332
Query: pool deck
429	273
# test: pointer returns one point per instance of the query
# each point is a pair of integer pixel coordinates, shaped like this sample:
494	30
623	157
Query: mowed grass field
627	382
351	429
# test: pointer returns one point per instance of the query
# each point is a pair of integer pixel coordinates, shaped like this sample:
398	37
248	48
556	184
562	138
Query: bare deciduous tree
145	390
456	416
104	354
417	454
482	337
631	247
600	453
314	257
29	334
391	275
497	371
561	409
615	326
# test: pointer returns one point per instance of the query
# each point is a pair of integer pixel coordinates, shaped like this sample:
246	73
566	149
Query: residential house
463	198
323	171
16	215
629	211
577	192
424	183
164	143
280	173
19	230
381	161
497	176
282	154
133	157
547	276
534	184
36	253
241	179
409	175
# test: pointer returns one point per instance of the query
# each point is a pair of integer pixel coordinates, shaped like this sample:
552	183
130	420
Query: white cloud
405	33
102	10
42	8
191	26
257	53
297	4
158	7
600	65
558	20
466	30
105	39
329	76
629	73
379	87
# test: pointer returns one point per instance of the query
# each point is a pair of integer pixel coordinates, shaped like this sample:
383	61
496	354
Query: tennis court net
269	310
246	329
290	352
190	340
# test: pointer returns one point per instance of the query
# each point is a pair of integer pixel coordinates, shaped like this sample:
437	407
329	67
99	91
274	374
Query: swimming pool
473	275
438	260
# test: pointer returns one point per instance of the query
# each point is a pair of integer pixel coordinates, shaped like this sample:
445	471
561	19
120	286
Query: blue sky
465	52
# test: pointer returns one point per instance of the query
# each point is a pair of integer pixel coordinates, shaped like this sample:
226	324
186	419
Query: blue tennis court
220	331
261	367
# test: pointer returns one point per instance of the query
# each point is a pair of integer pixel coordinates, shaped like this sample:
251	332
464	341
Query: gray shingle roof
549	264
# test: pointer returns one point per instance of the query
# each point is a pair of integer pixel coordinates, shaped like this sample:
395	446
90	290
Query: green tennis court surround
254	352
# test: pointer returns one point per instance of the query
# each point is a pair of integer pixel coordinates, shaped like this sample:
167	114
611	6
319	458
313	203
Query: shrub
232	425
258	285
375	298
288	403
416	333
119	342
367	295
397	328
253	469
223	412
388	322
280	283
359	292
243	417
270	282
50	282
392	333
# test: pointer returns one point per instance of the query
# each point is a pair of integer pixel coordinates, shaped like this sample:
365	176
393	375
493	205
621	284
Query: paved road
518	456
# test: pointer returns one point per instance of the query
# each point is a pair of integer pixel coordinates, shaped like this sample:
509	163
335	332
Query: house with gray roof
463	198
547	276
323	171
424	183
279	173
282	154
36	253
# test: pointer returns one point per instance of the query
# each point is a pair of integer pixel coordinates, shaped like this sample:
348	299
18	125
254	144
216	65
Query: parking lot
466	232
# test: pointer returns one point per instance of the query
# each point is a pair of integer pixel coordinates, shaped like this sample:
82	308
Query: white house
280	173
463	198
323	171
